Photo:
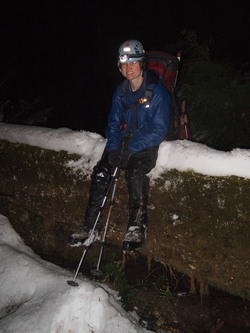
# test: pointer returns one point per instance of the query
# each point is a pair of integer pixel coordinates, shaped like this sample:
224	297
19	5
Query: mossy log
198	224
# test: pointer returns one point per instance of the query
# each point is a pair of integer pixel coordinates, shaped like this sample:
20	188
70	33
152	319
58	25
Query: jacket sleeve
113	131
155	124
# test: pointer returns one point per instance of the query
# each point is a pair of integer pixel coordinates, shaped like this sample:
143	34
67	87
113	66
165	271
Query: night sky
65	51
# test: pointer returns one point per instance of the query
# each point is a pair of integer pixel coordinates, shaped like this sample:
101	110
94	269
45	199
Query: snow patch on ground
35	296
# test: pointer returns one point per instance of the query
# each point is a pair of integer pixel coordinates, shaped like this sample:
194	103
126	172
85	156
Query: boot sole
131	246
73	242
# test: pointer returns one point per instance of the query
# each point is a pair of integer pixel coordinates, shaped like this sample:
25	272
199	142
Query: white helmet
131	50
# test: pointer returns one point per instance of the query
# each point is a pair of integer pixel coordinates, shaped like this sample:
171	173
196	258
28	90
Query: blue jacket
147	122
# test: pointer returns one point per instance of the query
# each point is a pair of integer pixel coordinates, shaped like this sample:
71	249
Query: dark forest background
58	61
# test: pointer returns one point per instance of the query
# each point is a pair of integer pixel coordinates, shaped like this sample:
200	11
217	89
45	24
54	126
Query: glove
125	158
113	158
119	161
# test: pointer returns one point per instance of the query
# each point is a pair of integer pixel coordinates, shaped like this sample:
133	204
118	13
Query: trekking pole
97	272
91	237
185	118
177	72
184	128
175	116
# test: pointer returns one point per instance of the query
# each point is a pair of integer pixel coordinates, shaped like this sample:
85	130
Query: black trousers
137	181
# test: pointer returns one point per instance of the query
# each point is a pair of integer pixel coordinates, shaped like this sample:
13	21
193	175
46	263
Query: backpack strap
150	81
146	99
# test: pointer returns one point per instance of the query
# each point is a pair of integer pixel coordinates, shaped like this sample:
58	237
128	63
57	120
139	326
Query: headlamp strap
125	57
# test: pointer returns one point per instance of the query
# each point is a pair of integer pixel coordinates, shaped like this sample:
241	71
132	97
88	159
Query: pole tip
73	283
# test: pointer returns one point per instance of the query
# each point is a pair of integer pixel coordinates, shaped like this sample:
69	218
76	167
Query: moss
198	224
204	228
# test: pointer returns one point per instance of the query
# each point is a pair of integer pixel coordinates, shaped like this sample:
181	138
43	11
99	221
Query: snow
34	294
36	298
181	154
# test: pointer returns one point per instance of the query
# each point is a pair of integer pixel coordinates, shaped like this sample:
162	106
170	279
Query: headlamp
123	58
130	57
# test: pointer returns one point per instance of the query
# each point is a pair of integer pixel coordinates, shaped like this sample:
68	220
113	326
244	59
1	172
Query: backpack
167	66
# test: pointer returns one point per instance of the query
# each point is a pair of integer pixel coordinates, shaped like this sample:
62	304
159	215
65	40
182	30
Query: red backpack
166	66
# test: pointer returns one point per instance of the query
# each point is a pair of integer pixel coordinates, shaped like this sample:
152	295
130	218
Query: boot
134	238
83	236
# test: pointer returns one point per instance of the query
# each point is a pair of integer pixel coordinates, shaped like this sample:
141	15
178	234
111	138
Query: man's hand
113	157
117	160
125	158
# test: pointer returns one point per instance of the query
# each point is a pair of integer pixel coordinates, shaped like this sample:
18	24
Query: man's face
131	70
